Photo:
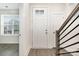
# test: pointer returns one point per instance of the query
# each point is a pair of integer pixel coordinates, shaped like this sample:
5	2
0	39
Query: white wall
10	6
25	30
8	39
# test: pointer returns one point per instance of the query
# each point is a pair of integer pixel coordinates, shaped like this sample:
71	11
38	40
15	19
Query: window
39	11
9	24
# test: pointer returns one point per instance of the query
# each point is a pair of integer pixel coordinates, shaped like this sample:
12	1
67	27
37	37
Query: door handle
46	31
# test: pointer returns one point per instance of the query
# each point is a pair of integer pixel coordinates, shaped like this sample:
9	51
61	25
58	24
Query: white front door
40	30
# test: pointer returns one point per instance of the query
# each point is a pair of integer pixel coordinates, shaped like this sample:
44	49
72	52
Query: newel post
57	43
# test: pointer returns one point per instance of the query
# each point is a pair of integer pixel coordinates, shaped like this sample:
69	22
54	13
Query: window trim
2	25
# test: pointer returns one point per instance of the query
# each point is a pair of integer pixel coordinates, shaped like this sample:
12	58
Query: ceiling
9	5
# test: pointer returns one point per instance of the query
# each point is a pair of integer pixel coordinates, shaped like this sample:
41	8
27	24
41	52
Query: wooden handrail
70	38
69	25
58	34
70	31
69	17
69	45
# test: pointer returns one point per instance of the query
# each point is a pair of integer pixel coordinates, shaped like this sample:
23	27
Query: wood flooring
45	52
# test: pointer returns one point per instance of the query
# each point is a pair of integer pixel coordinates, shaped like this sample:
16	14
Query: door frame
31	9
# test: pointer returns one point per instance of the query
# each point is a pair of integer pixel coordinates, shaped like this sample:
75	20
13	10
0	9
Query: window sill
9	35
9	43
